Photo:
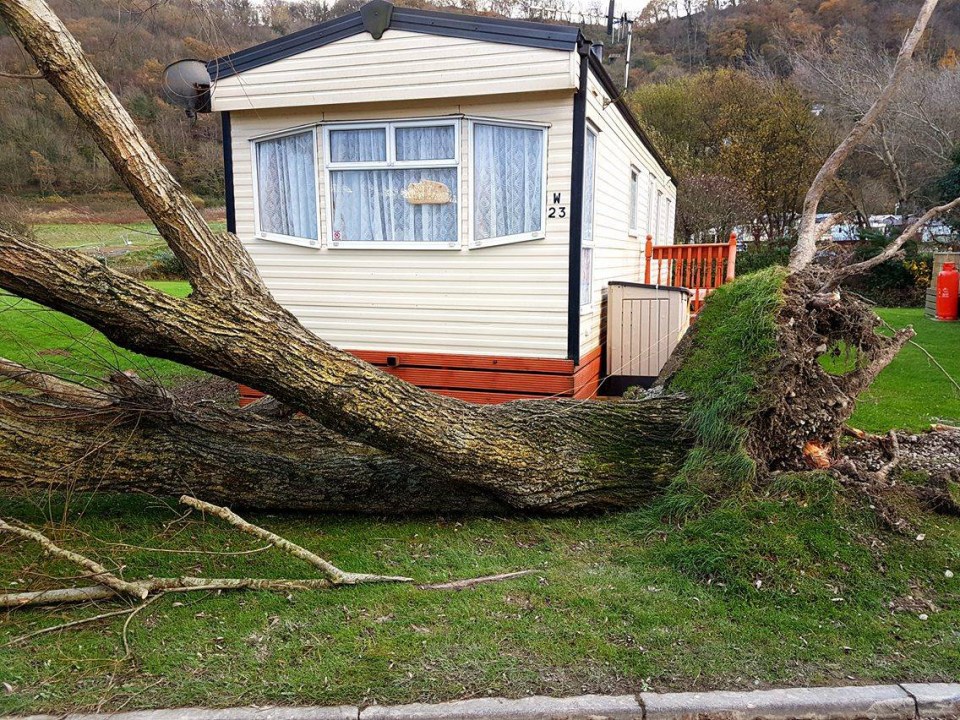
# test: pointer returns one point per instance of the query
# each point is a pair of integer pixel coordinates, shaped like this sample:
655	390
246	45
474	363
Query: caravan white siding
509	300
618	255
397	67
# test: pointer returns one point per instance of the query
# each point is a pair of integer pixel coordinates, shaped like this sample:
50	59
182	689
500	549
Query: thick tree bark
238	458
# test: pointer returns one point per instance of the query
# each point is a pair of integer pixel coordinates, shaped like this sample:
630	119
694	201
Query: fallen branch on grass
111	587
333	573
94	570
473	582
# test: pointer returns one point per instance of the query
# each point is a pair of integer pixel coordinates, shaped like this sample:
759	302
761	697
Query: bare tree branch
911	233
20	76
806	247
53	386
333	573
214	262
94	569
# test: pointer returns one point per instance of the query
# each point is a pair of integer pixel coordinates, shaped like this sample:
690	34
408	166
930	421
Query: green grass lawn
776	592
794	588
89	236
50	341
912	391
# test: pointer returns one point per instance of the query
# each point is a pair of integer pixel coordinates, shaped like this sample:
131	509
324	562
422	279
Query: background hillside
736	95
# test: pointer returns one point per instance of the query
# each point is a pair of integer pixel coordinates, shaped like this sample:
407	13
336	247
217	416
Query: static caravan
446	196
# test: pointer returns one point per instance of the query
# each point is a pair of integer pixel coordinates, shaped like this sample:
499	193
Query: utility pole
628	24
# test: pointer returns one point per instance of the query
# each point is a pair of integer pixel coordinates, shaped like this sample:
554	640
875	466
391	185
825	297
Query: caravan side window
586	234
393	184
285	188
509	168
634	202
651	208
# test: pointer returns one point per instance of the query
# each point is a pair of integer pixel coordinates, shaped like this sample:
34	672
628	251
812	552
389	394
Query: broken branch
94	570
333	573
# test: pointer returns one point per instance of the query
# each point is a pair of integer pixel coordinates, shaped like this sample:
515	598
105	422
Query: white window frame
668	230
473	242
633	222
651	207
586	304
276	237
391	163
656	238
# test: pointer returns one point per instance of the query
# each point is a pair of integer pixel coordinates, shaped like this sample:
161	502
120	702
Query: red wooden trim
467	362
476	380
481	378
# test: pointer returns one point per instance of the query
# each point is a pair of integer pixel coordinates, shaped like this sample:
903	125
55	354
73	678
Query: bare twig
335	574
59	596
96	571
127	653
20	76
911	233
472	582
64	626
53	386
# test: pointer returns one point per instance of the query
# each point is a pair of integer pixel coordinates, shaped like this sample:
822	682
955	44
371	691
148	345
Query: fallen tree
370	442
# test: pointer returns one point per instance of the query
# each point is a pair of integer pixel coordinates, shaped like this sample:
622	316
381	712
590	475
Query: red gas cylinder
948	286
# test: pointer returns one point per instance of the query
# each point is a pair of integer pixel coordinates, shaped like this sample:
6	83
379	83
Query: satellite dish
186	83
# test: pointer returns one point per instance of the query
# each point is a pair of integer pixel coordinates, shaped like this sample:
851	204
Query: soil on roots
829	351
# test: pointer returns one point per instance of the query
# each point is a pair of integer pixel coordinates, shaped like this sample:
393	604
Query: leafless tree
913	140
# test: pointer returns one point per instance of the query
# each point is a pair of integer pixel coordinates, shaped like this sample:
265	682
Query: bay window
509	162
393	184
285	188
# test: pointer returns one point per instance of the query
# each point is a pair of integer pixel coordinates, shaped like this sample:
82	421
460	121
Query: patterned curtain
508	180
286	186
371	205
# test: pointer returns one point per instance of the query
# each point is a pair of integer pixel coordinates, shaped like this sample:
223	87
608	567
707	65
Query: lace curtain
371	205
286	186
508	180
586	235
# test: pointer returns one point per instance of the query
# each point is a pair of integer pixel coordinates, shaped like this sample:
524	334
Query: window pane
508	180
426	143
380	205
286	186
589	182
651	210
359	145
586	276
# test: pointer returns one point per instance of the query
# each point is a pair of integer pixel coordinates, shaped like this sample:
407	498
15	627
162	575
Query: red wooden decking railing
700	267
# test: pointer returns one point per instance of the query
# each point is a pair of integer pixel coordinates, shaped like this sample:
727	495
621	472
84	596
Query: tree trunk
232	326
240	459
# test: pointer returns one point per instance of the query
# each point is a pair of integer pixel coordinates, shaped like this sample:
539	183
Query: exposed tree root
801	402
901	474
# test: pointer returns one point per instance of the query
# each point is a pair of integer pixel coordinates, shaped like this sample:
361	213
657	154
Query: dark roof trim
498	30
616	97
